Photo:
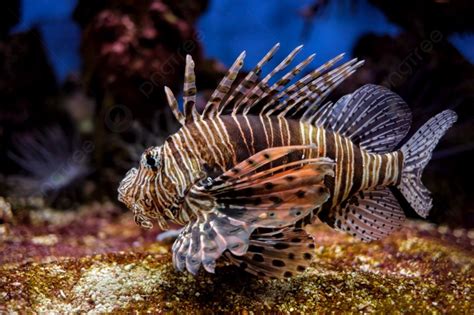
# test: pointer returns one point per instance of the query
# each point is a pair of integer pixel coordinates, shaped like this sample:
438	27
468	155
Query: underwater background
81	97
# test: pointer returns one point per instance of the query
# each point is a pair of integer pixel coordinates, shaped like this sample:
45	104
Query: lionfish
263	160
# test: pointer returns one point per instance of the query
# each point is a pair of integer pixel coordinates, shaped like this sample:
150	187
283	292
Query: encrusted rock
421	268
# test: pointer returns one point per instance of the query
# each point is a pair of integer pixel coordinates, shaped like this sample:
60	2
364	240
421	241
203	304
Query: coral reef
130	51
50	262
27	87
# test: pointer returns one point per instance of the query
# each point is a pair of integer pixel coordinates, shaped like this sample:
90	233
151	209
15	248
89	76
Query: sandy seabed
96	260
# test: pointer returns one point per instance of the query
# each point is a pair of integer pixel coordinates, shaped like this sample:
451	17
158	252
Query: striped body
263	159
224	141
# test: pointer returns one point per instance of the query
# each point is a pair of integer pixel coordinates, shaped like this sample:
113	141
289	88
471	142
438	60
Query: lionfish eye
151	161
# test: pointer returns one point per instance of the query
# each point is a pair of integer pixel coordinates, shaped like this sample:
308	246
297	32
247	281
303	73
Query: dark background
81	81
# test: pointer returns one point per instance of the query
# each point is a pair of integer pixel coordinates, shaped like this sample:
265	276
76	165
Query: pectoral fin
270	197
248	196
276	253
204	240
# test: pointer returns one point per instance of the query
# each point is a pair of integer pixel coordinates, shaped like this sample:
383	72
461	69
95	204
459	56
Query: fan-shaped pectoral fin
203	241
271	197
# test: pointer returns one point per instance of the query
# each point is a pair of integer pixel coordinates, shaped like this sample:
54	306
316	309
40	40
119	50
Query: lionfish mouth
140	218
125	188
126	196
145	221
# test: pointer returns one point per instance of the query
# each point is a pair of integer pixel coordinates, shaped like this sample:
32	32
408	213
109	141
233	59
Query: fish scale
265	160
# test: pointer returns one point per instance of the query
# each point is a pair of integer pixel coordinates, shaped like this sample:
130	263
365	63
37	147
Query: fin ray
203	241
262	88
373	117
273	197
249	81
317	89
276	253
417	153
173	104
369	215
214	103
189	92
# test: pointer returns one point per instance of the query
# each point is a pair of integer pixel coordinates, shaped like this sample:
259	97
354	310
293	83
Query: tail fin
417	153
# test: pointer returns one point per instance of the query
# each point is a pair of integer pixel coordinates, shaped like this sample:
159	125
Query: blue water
465	44
232	26
61	36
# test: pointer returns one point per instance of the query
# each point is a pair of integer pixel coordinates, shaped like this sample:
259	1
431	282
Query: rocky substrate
96	260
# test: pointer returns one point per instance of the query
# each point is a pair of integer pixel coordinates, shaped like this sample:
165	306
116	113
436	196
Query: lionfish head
137	190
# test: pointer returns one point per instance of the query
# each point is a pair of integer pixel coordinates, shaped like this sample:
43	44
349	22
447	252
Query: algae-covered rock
97	260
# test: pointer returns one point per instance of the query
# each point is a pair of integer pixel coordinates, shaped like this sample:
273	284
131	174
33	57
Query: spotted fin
231	206
276	253
277	200
270	197
203	241
373	117
369	215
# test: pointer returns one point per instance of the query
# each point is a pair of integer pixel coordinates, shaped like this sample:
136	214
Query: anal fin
368	215
276	253
250	196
